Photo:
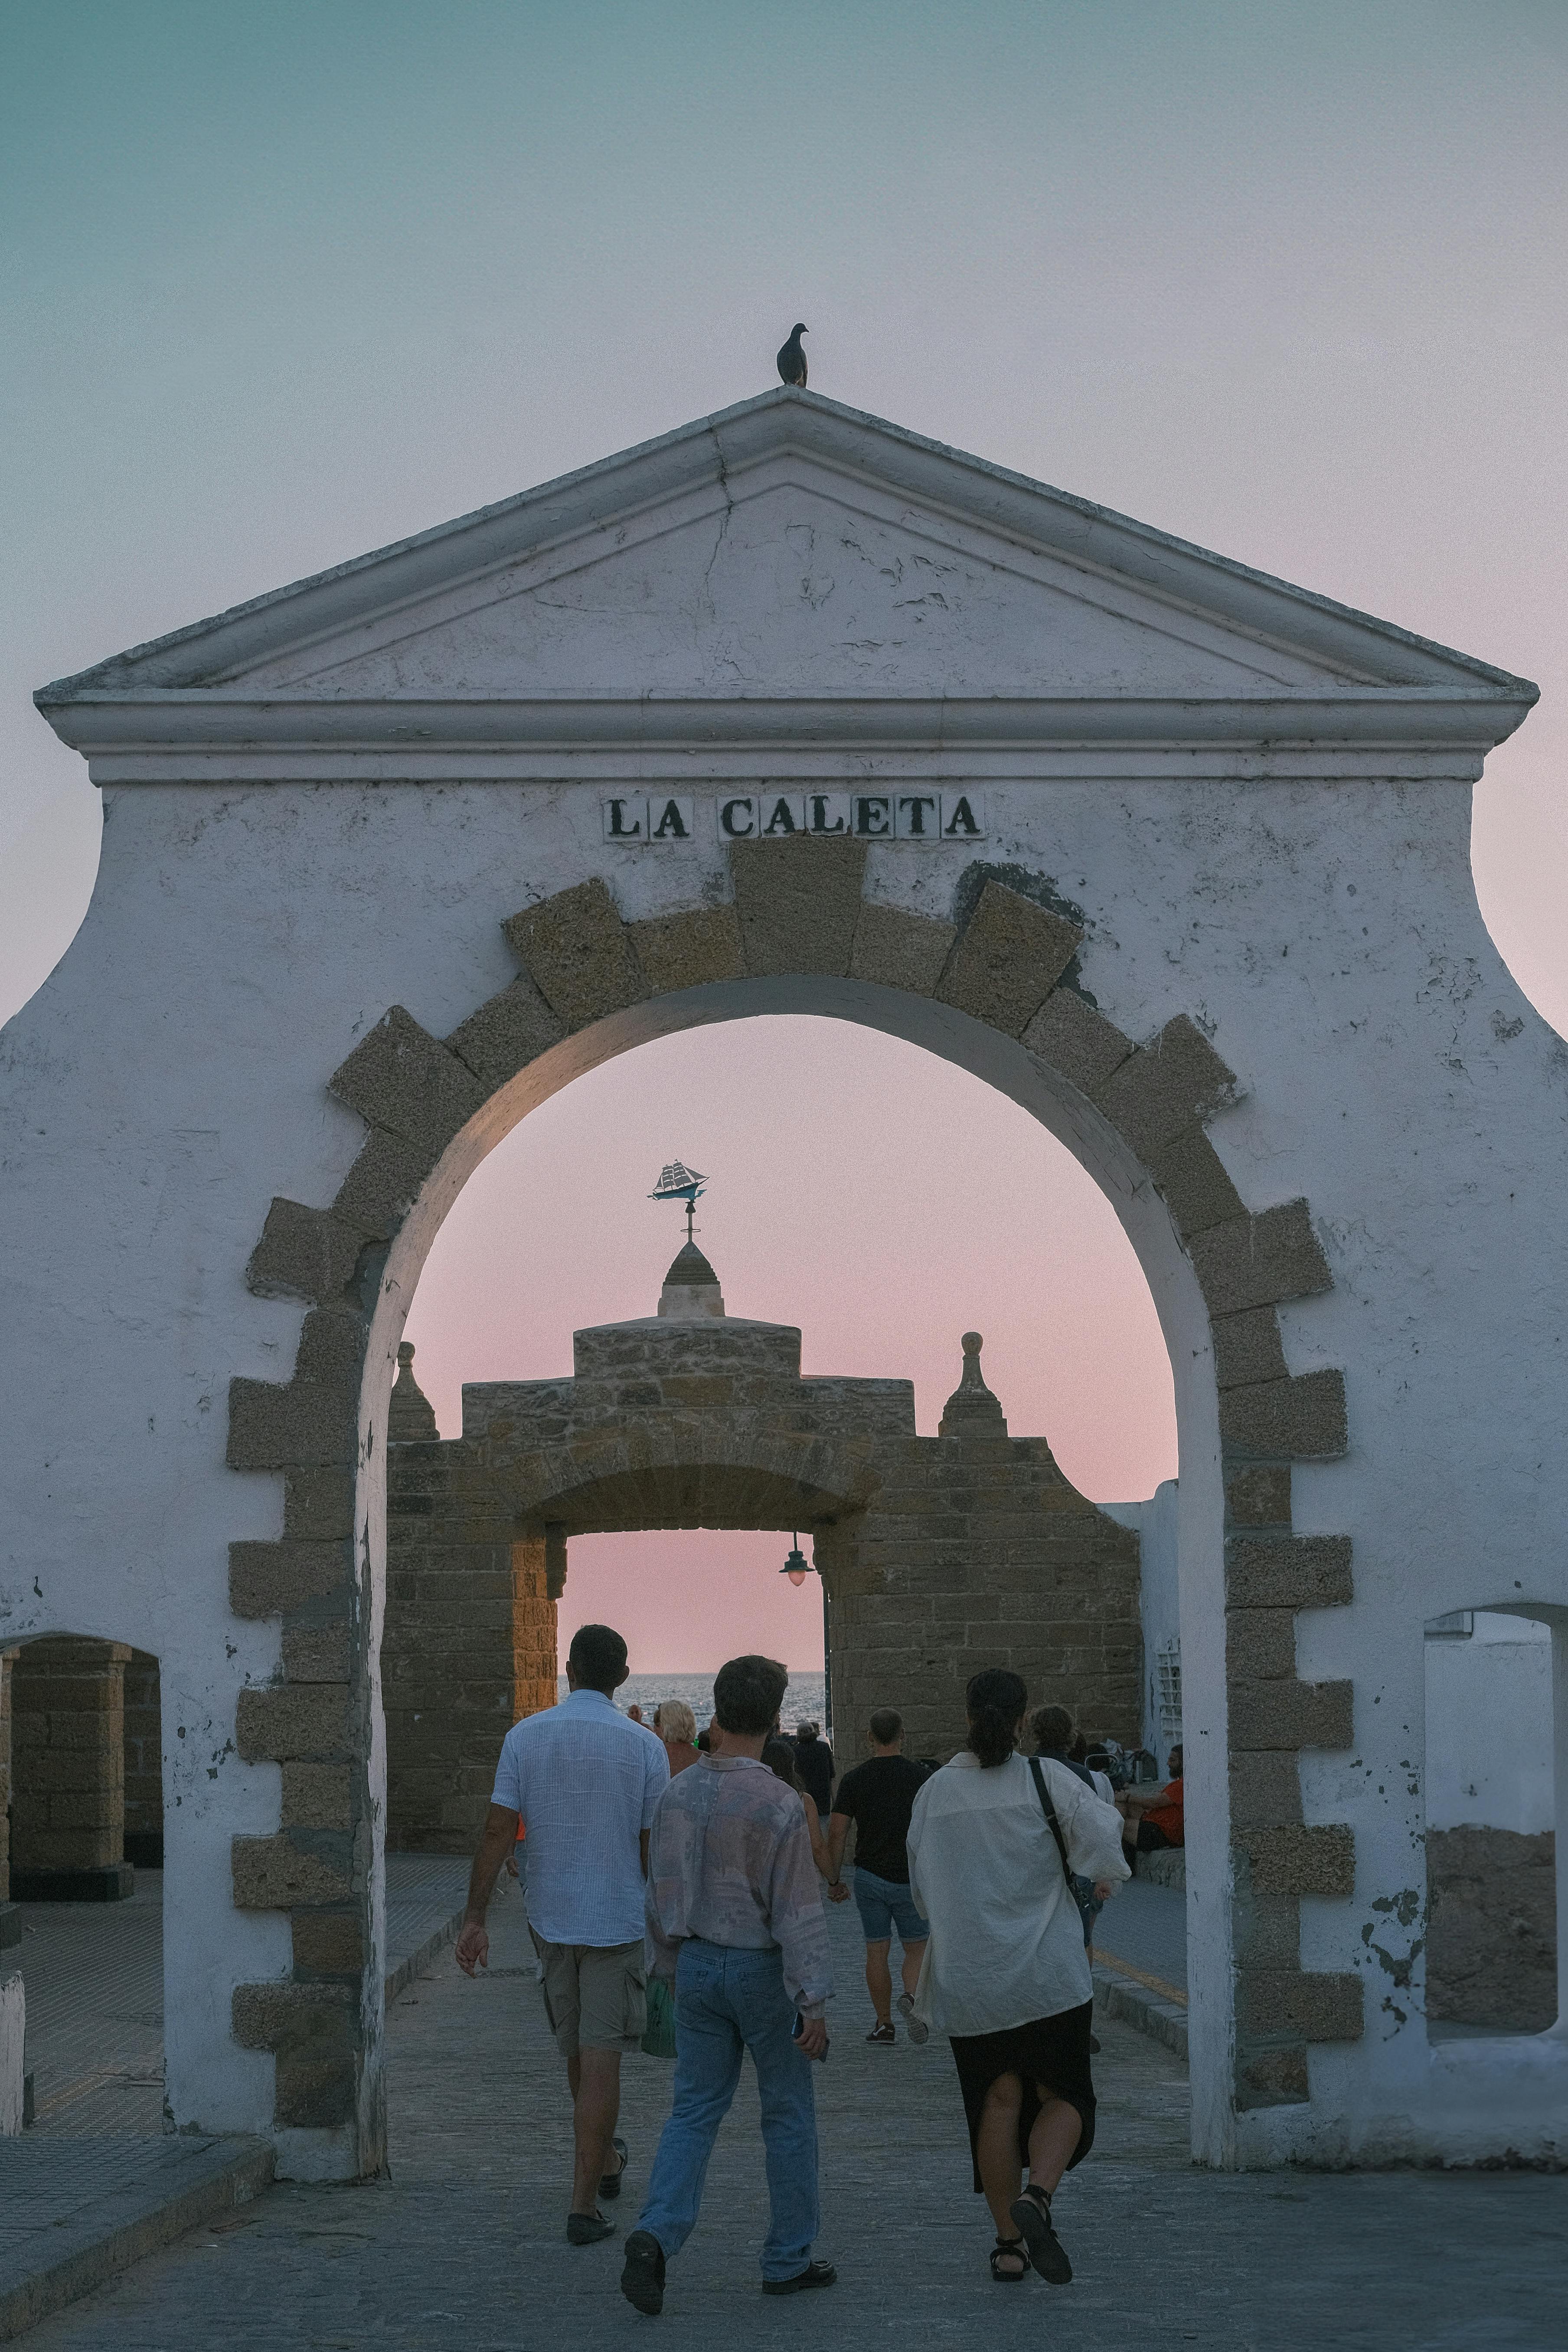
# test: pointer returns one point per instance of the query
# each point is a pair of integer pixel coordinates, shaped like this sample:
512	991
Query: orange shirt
1168	1815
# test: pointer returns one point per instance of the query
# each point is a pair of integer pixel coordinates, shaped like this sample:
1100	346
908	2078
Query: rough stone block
1008	958
688	950
896	948
1271	2078
1260	1643
1266	1788
1293	1858
303	1254
317	1797
1261	1260
319	1503
506	1033
284	1721
266	1580
318	1653
1192	1181
798	903
1258	1498
1076	1041
1301	2005
1290	1715
1300	1420
1247	1348
275	1874
383	1183
328	1944
579	953
1492	1932
400	1078
1288	1572
272	1427
315	2094
1168	1085
293	2017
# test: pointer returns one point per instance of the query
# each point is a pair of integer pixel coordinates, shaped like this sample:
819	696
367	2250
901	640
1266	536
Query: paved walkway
464	2244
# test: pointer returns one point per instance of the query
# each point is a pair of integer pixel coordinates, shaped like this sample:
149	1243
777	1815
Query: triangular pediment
789	551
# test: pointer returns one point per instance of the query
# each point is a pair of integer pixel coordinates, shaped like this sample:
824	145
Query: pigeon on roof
792	359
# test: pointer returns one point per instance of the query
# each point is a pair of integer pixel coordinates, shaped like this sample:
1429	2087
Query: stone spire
691	1292
411	1417
972	1410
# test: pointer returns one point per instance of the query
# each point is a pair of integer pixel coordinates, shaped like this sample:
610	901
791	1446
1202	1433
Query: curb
239	2171
399	1978
1123	1997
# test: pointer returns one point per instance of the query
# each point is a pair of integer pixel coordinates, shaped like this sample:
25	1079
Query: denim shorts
886	1909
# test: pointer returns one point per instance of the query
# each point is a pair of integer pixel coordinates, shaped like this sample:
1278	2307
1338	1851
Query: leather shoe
814	2274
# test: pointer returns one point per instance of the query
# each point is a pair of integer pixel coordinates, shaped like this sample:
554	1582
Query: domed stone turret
691	1292
972	1410
411	1416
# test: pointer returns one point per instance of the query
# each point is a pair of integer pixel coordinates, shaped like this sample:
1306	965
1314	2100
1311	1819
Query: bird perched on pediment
792	360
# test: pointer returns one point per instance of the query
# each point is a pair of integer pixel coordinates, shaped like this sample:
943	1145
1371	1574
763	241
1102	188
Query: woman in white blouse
1006	1976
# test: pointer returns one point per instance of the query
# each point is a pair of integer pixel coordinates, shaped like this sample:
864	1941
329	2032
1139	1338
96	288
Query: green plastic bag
658	2034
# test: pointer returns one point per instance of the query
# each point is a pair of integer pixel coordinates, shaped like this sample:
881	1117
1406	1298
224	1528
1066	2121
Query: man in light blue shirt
584	1780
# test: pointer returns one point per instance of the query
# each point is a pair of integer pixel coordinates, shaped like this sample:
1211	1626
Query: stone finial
411	1417
691	1292
972	1410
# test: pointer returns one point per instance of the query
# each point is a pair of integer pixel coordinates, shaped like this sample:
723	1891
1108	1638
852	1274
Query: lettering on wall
910	812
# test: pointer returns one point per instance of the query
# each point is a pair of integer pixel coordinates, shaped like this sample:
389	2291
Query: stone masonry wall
7	1657
143	1762
1492	1932
67	1755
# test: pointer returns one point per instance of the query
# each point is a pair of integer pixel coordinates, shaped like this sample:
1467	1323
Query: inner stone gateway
938	1555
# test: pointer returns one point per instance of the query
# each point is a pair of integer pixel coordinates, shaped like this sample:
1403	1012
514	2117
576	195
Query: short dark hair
1052	1728
887	1725
748	1694
598	1658
1175	1761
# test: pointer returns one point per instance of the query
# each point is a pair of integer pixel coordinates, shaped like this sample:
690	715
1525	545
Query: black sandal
1010	2248
1032	2213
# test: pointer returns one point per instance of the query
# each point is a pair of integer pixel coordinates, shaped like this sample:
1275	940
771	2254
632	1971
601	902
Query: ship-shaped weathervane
678	1182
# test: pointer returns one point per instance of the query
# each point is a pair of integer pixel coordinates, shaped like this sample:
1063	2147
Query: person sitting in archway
1152	1818
676	1726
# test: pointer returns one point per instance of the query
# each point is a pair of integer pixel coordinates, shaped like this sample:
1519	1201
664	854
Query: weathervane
678	1182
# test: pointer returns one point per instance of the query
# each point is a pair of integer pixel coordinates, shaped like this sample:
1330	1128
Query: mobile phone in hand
798	2028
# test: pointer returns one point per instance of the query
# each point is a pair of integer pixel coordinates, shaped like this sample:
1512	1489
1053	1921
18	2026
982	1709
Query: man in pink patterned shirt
735	1918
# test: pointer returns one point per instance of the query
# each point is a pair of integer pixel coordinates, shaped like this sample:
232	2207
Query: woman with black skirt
992	1842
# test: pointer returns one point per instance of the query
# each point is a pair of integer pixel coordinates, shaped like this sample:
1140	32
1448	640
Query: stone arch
799	933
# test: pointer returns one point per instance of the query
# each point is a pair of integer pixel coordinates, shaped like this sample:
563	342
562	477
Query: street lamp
796	1567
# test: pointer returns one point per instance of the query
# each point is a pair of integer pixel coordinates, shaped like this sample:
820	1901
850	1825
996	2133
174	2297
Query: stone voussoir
1007	959
579	953
689	949
1075	1040
400	1078
895	948
798	903
1261	1261
508	1032
1169	1085
310	1254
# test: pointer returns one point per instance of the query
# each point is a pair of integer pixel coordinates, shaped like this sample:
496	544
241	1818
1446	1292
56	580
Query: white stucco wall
1311	908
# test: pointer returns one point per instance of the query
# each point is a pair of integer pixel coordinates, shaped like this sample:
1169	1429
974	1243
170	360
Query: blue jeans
728	2001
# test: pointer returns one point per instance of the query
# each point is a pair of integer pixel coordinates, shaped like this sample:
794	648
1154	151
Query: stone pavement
465	2243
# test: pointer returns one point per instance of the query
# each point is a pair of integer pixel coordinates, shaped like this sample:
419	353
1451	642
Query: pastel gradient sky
282	282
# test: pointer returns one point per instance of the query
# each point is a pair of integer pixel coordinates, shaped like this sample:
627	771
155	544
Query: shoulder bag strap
1049	1812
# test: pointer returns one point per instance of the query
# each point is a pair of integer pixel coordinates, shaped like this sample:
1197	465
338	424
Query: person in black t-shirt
878	1797
814	1765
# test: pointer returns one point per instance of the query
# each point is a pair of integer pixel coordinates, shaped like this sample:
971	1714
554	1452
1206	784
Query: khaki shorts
596	1995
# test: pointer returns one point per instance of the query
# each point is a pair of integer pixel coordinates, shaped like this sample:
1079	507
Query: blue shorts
887	1908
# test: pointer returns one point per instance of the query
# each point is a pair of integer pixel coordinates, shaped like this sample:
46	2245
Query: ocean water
803	1703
